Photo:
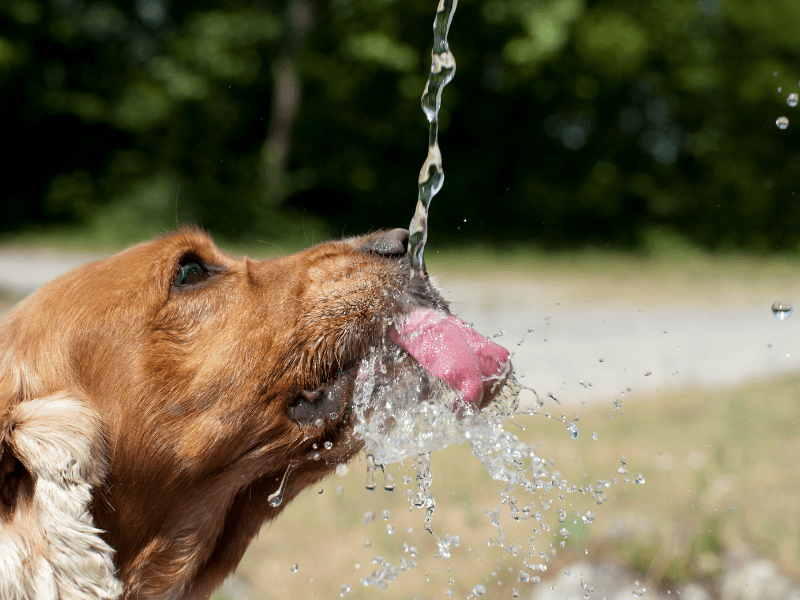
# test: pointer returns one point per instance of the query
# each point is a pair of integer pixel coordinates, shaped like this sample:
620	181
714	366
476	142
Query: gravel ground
584	351
740	579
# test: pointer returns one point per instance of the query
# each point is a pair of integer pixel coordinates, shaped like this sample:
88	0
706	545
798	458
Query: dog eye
190	273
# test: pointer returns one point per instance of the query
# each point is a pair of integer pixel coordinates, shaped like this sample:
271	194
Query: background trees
569	122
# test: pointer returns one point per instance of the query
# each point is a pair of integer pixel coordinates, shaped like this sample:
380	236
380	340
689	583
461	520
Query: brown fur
193	387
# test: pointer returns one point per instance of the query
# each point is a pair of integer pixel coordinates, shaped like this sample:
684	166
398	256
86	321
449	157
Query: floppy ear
52	453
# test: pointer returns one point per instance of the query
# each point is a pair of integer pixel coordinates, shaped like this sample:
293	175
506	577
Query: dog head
161	395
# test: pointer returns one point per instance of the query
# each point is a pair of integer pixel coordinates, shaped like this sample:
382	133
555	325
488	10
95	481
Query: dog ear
52	456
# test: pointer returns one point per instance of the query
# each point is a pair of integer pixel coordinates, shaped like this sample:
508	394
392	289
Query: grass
720	476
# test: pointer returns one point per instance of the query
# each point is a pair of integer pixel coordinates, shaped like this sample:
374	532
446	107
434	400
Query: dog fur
145	421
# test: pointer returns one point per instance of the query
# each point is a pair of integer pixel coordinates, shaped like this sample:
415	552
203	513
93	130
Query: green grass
720	475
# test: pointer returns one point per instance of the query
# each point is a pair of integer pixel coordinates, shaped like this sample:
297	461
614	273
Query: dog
154	403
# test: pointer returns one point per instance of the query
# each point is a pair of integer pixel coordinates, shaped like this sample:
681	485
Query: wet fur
155	420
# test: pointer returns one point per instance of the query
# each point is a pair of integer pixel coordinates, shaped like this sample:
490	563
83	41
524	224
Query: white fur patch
50	548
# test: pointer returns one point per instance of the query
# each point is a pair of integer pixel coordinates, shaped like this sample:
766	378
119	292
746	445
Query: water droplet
328	445
648	373
588	517
479	590
594	436
345	589
792	100
573	430
389	529
782	310
385	515
369	517
319	490
341	469
370	481
639	479
275	499
639	592
782	122
367	544
564	532
293	568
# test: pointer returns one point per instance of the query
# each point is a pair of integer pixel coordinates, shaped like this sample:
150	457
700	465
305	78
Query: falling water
275	499
400	411
782	310
431	176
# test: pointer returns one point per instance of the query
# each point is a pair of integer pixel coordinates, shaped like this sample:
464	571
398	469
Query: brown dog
149	407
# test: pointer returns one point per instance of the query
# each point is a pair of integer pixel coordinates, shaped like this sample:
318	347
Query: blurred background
620	210
570	123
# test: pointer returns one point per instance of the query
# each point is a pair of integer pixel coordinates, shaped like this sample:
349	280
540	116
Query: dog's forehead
156	260
177	244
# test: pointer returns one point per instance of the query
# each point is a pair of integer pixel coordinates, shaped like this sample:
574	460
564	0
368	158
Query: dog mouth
327	403
419	353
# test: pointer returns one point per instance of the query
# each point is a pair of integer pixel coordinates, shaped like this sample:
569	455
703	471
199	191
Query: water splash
387	572
431	176
424	497
400	412
573	430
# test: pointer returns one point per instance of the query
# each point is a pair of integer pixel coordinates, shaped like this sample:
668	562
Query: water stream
431	175
402	412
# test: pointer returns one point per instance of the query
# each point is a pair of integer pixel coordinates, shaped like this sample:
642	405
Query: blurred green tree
569	122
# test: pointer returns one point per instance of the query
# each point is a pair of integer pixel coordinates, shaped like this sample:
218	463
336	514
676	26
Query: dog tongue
451	350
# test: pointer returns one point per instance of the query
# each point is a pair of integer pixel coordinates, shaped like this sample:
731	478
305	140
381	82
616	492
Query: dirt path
581	350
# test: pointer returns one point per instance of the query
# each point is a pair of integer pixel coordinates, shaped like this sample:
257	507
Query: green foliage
569	122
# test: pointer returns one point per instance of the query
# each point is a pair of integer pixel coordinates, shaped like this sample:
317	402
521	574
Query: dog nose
388	243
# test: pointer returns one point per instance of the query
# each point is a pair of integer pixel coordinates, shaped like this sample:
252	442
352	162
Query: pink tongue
451	350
